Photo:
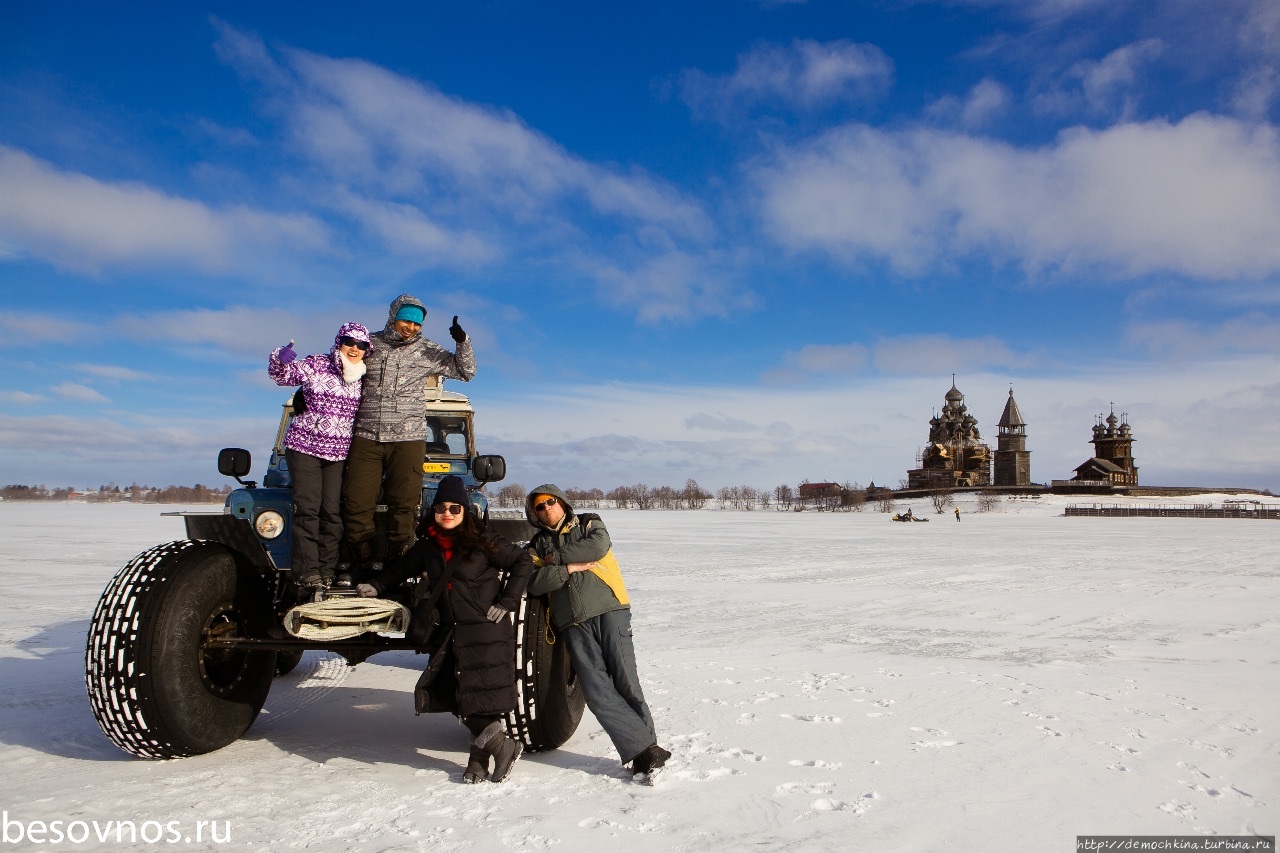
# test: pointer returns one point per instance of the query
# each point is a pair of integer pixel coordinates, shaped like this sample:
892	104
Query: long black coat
482	653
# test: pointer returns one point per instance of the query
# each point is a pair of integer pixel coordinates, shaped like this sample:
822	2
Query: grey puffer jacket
392	405
579	596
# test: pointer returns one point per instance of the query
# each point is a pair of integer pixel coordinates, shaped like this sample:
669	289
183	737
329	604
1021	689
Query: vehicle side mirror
489	469
235	462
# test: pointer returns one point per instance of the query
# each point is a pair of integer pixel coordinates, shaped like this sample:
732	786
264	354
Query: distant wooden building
1112	465
1013	460
955	455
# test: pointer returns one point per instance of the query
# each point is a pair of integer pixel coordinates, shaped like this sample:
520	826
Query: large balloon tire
152	688
550	700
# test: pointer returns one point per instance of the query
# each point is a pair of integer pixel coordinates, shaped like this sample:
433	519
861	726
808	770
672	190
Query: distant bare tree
783	497
510	495
642	495
621	497
853	497
941	499
694	495
989	501
884	502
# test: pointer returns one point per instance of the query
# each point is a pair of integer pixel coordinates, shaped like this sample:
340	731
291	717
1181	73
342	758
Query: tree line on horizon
111	493
824	497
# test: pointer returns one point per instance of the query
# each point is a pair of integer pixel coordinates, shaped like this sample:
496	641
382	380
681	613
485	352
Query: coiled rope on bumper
340	618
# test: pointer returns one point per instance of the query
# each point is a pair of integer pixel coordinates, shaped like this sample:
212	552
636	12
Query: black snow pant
367	462
317	525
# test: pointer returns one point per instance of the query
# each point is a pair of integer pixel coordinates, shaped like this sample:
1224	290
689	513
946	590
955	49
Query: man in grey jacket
592	612
389	440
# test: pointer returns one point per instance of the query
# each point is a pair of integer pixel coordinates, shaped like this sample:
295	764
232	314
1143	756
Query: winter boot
503	750
477	766
651	758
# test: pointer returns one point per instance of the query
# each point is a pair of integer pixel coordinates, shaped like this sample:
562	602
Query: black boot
651	758
477	766
503	750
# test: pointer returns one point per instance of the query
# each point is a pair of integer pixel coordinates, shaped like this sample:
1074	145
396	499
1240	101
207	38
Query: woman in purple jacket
315	446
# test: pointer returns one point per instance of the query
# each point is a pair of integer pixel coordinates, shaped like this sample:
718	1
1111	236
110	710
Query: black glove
455	331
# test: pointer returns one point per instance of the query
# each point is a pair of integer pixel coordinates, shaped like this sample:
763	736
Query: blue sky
747	242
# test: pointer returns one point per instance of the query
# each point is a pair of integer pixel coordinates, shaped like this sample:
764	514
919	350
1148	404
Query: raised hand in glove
366	590
455	331
497	614
287	354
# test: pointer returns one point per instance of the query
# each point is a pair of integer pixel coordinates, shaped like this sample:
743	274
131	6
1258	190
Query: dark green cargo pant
368	464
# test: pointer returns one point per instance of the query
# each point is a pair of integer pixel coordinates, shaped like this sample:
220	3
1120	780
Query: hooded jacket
393	407
579	596
324	429
483	652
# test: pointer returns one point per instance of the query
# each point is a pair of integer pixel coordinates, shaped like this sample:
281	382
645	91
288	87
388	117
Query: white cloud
21	398
804	75
367	124
1199	198
406	230
985	102
668	286
78	393
77	222
112	372
1107	86
1187	339
923	355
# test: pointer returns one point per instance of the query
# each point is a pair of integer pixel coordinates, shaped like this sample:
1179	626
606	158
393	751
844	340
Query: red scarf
444	542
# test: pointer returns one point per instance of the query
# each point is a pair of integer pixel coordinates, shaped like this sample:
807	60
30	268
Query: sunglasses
363	346
450	509
545	505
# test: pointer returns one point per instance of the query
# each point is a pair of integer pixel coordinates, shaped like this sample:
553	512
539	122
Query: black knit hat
451	491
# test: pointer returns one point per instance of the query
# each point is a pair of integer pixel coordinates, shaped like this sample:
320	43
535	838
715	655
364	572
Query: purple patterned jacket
324	429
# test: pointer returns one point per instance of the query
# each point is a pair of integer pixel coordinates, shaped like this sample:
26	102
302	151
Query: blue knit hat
411	314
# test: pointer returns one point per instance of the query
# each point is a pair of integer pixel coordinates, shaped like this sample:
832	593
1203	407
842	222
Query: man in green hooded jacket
591	611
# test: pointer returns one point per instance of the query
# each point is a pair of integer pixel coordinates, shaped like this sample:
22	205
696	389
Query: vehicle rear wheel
287	662
550	700
154	687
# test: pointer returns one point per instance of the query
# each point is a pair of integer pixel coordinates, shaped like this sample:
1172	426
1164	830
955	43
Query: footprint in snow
817	762
744	754
809	718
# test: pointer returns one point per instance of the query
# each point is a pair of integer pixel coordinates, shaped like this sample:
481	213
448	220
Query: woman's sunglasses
363	346
451	509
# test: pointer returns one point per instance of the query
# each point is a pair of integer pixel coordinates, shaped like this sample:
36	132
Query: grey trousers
604	659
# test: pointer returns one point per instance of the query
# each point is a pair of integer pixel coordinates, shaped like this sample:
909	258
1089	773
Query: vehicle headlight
269	524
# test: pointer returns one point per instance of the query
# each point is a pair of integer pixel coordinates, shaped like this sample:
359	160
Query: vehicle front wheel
155	687
550	699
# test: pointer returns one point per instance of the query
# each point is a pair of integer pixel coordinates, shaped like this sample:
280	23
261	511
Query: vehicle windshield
447	436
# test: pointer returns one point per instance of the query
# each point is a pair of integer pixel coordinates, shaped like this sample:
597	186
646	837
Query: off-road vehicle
187	637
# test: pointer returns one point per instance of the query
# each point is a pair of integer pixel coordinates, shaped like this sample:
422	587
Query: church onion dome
954	395
1011	417
1124	429
1112	420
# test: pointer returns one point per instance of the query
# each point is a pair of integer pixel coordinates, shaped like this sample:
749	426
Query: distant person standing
391	427
957	513
315	445
592	613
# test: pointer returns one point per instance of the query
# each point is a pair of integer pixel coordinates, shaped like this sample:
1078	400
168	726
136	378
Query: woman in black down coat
478	678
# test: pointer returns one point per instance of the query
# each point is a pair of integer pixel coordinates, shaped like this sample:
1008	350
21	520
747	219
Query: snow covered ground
826	682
